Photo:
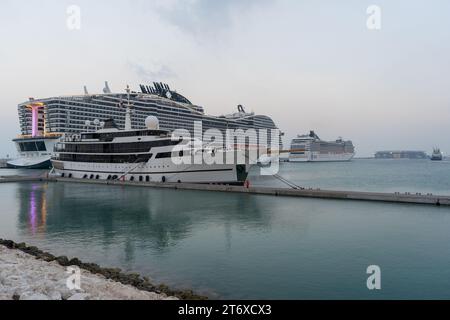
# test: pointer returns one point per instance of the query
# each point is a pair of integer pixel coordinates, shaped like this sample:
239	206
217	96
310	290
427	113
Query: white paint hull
163	170
37	159
316	157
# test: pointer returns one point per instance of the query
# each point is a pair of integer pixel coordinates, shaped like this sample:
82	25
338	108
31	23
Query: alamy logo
73	17
73	282
374	19
374	280
241	147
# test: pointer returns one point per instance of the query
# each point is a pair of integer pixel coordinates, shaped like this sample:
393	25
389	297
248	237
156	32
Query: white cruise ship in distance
310	148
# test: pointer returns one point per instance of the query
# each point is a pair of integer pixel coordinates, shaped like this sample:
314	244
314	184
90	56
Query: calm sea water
248	246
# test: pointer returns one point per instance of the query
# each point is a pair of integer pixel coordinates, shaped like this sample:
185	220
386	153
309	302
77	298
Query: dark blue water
247	246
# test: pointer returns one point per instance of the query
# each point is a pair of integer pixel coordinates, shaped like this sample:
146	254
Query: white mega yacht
143	155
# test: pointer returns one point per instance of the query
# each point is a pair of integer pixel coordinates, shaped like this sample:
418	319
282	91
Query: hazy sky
307	64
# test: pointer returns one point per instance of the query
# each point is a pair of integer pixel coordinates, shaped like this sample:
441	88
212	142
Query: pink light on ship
34	117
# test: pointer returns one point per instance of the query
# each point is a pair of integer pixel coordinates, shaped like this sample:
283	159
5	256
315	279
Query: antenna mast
128	110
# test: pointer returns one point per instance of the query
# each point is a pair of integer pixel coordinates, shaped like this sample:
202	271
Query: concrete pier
412	198
428	199
9	179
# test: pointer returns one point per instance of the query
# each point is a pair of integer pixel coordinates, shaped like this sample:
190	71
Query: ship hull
165	171
315	157
24	163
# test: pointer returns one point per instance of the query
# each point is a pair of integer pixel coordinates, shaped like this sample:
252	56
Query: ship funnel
86	90
106	89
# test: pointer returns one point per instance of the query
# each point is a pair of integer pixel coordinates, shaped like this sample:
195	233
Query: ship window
41	146
105	158
118	147
164	155
28	146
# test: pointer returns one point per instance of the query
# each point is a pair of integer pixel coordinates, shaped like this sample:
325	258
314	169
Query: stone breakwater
29	273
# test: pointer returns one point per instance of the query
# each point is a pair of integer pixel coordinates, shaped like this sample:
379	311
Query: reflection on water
33	209
246	246
156	232
155	218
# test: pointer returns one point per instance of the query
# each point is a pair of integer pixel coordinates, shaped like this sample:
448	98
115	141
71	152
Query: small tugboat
437	155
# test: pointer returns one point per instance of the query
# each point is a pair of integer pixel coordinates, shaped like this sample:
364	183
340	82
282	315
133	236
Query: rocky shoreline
132	285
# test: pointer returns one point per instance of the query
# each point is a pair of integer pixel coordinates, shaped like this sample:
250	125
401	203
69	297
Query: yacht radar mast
128	110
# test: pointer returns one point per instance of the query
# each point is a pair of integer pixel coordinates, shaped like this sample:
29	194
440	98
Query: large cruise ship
401	154
55	116
310	148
